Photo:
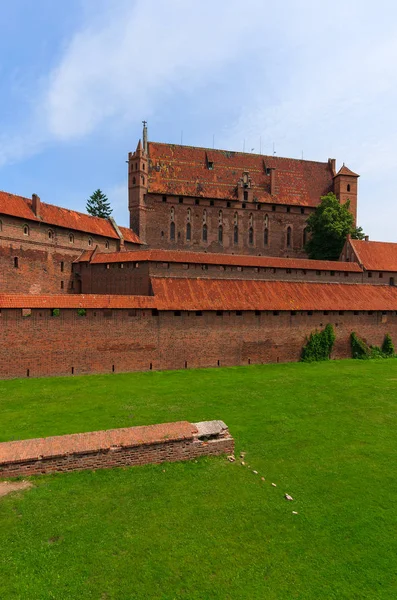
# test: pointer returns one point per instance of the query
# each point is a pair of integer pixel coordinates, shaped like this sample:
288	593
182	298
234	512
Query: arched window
266	221
16	262
172	231
90	241
107	244
25	230
348	187
220	234
71	238
235	234
143	180
251	235
304	236
50	234
133	180
235	218
204	216
220	217
289	237
188	232
205	232
266	237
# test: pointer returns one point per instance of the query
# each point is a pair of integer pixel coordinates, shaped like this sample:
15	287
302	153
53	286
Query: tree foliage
319	345
328	227
361	350
98	205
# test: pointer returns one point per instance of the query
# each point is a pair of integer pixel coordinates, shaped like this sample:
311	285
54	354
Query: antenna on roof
144	135
274	151
244	145
252	149
302	154
213	140
260	145
181	137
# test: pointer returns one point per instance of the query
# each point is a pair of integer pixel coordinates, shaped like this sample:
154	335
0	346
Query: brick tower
345	188
138	186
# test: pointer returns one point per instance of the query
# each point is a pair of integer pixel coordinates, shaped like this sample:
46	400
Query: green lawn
324	433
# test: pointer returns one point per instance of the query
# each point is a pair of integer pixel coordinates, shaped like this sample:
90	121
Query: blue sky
77	78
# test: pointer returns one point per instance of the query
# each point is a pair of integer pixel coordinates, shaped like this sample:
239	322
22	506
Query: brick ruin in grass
166	442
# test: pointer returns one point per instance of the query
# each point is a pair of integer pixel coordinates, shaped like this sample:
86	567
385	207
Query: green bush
319	345
387	346
81	312
55	312
361	350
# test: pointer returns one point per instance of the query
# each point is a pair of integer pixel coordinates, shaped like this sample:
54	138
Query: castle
212	270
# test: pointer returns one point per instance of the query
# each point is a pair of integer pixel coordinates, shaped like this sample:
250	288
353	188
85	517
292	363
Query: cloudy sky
311	77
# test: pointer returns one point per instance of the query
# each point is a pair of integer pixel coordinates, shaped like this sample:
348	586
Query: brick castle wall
121	340
169	442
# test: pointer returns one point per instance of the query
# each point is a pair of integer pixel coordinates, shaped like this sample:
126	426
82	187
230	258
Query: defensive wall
166	442
186	324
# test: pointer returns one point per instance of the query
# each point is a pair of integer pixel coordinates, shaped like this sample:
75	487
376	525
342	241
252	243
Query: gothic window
220	234
289	237
188	232
107	244
172	231
25	230
266	221
71	238
304	236
266	237
348	187
245	195
90	241
251	236
235	234
50	234
205	233
143	180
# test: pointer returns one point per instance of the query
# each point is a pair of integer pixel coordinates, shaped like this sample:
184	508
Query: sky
305	78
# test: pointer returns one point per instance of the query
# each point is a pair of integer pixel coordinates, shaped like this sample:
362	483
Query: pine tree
98	205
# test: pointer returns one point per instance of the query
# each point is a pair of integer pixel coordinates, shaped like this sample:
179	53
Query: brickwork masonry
167	442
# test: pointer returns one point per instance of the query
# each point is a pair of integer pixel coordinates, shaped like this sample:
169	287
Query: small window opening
197	201
219	313
251	236
205	233
348	187
26	230
164	198
220	234
246	195
257	313
188	232
199	313
16	262
172	231
235	236
273	209
180	200
239	313
177	313
289	236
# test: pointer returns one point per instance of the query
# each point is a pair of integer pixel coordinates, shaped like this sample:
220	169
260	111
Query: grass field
324	433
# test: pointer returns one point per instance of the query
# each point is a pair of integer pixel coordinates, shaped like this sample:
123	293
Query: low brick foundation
167	442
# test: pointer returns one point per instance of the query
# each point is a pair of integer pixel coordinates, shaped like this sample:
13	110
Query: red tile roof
177	256
17	206
183	170
223	294
75	301
376	256
346	171
94	441
172	293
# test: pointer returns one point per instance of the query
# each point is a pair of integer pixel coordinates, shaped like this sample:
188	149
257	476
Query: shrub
319	345
55	312
81	312
387	346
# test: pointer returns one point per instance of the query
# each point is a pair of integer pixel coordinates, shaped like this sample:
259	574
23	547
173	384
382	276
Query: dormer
209	161
244	188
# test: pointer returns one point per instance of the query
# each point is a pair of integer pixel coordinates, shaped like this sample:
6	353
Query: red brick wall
136	340
166	451
158	217
40	258
128	278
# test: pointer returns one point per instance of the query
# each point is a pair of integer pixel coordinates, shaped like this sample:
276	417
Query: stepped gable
18	206
183	170
375	256
176	256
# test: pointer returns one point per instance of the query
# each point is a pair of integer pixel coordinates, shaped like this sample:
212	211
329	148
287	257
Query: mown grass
325	433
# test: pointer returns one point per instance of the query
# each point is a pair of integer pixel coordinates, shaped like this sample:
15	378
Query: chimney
366	238
273	190
36	205
332	164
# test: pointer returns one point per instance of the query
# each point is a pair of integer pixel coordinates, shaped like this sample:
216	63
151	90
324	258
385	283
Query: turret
138	185
346	187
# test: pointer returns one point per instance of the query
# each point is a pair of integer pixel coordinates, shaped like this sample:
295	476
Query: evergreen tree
98	205
329	227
